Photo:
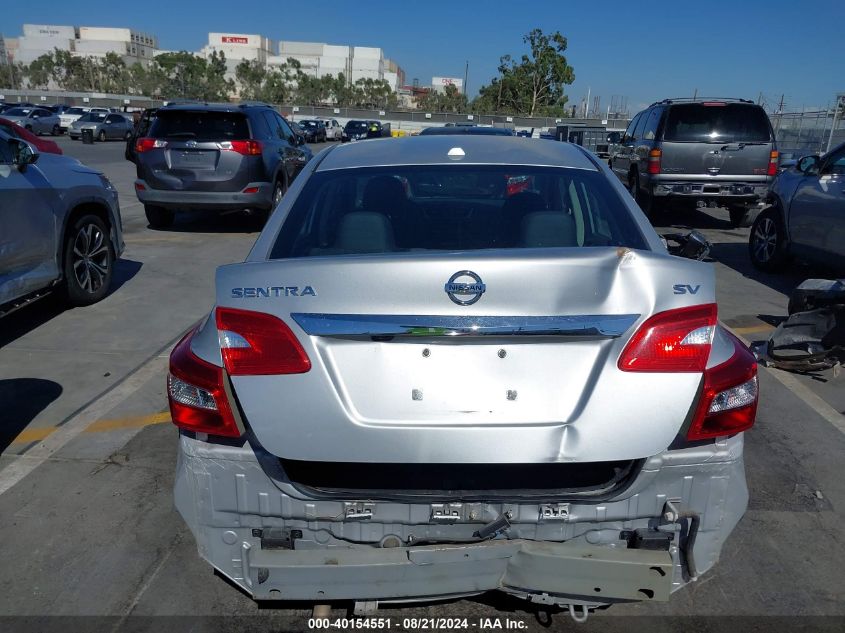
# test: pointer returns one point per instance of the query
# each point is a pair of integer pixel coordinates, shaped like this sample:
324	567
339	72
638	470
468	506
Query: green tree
534	84
40	71
450	100
187	76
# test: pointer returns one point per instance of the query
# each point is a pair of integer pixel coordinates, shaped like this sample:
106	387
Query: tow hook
585	613
675	512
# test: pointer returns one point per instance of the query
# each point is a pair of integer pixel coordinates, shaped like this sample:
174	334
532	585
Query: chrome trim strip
587	326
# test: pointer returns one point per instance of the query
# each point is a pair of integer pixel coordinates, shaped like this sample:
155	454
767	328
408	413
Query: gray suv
717	152
60	227
201	157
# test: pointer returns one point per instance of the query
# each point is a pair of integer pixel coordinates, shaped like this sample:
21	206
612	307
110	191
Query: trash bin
88	136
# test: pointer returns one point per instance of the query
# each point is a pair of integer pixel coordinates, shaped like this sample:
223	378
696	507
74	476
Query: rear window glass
75	111
203	126
356	125
731	122
449	208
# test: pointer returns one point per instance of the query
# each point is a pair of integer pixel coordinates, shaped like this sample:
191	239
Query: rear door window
200	125
717	123
454	208
651	124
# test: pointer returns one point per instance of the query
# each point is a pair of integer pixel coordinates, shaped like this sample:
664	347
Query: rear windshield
356	125
75	111
201	126
454	208
730	122
19	111
92	116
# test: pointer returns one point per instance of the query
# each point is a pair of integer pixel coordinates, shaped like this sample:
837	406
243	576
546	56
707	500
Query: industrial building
84	41
237	47
355	62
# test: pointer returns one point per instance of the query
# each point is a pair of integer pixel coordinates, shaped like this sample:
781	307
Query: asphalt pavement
88	454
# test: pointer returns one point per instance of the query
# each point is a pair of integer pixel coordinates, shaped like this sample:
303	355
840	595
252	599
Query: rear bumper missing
231	497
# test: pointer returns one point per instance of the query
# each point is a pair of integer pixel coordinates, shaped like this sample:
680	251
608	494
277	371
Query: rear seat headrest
548	228
365	232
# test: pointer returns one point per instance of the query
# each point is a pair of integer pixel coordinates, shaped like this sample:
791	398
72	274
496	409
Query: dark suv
200	157
718	152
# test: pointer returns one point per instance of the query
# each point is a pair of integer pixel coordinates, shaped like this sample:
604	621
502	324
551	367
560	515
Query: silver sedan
36	120
104	126
454	364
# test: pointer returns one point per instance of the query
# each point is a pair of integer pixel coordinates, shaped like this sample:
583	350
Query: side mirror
693	245
809	165
25	154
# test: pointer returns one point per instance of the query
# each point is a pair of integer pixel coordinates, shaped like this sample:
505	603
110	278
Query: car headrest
383	193
365	232
548	228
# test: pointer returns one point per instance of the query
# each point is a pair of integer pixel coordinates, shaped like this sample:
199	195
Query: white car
70	115
334	130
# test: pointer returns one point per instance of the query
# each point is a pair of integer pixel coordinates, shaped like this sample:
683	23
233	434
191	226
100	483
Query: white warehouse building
238	47
85	41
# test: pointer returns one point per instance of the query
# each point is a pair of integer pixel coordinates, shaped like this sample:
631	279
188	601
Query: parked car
711	151
70	115
383	406
41	144
8	106
36	120
58	108
60	227
199	157
104	126
334	130
356	130
143	121
806	216
298	131
315	130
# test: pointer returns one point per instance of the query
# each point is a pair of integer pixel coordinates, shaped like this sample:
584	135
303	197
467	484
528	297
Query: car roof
216	107
459	130
478	150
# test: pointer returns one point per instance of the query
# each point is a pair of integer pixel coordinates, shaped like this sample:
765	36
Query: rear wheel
158	217
102	136
767	242
88	261
648	203
56	130
740	216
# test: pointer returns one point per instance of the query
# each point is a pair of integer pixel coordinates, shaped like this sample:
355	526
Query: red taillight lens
728	402
654	157
258	344
195	391
773	164
247	148
671	341
146	144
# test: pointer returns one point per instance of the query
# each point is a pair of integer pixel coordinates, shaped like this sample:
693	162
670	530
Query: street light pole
839	104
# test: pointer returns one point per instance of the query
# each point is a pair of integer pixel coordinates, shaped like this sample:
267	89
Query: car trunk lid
527	373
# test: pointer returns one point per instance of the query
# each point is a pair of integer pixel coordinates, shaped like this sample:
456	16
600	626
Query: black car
315	131
298	131
143	122
356	130
215	157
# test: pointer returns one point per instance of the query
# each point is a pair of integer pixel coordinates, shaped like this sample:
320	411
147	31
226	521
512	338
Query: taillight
773	164
146	144
257	344
728	402
673	341
247	148
196	394
654	157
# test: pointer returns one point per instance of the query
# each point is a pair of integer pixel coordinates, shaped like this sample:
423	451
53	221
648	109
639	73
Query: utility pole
840	102
695	94
466	77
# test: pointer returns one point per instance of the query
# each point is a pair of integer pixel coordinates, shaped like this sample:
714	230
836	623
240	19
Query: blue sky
738	48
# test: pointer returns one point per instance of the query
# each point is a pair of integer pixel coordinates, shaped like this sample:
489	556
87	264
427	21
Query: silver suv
716	152
438	374
60	227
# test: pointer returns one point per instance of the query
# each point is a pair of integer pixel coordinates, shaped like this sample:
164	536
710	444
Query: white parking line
46	448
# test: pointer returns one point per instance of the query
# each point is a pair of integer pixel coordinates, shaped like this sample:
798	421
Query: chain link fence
802	133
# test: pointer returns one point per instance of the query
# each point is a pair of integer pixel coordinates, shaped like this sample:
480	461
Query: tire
767	241
88	261
158	217
279	190
101	136
740	216
648	203
56	130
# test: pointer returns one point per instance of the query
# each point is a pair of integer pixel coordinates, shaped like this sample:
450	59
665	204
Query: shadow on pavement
735	255
31	317
21	400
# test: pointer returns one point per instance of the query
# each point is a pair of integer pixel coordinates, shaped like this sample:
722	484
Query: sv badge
683	289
